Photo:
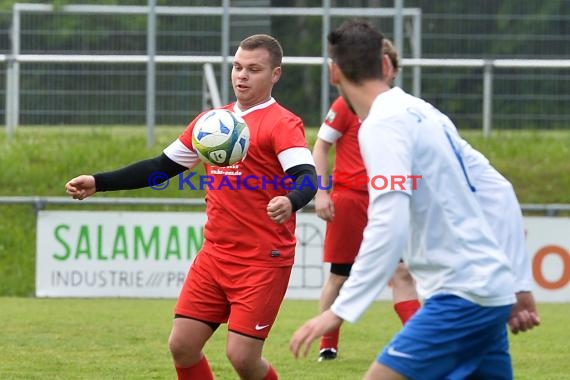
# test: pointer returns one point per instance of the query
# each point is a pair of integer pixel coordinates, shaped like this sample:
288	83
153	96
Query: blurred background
49	77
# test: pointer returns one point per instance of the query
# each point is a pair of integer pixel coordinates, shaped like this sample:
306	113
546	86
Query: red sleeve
289	133
340	117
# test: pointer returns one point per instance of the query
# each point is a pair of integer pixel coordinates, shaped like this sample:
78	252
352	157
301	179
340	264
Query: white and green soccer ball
221	138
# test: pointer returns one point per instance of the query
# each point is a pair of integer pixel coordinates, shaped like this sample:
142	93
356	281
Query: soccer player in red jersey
240	275
345	210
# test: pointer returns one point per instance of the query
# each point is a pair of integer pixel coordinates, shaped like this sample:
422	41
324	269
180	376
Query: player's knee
176	346
242	362
182	350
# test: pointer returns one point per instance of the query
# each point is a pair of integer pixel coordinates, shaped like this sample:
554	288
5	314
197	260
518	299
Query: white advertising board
115	254
147	254
548	242
144	254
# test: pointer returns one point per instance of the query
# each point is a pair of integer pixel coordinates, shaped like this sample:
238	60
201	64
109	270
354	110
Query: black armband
137	175
305	177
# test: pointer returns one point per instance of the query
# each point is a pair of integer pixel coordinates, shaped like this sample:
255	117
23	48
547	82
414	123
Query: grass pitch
127	339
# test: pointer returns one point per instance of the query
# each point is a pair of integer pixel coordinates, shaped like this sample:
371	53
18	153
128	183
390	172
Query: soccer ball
220	137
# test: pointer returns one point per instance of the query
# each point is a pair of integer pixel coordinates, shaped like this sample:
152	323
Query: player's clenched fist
81	187
279	209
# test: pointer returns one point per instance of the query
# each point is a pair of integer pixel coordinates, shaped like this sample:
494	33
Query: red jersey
340	127
238	226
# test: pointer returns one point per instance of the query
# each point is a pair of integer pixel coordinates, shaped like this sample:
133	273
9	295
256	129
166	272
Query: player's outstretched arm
81	187
135	176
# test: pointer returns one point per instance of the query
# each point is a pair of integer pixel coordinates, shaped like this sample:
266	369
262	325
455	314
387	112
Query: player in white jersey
438	222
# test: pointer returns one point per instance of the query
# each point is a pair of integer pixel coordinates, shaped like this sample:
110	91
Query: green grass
127	339
536	162
39	160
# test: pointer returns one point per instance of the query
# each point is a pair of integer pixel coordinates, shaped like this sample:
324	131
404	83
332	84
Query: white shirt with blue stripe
440	225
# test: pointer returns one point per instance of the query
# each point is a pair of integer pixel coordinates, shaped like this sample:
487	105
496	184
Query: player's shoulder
283	114
282	109
340	104
395	99
397	105
342	108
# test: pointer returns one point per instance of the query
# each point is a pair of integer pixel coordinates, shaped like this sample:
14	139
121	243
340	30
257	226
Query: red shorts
344	234
247	297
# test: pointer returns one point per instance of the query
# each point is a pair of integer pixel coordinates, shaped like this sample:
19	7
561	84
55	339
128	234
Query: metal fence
44	202
509	64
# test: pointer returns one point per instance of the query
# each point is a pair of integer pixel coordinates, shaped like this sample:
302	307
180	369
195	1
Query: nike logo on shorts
392	351
261	327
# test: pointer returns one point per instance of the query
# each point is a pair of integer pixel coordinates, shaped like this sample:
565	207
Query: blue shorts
452	338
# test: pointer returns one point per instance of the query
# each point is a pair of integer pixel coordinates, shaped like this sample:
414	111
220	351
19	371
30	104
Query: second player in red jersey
345	210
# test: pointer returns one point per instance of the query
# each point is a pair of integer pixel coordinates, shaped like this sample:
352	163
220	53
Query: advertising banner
147	254
115	254
548	242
